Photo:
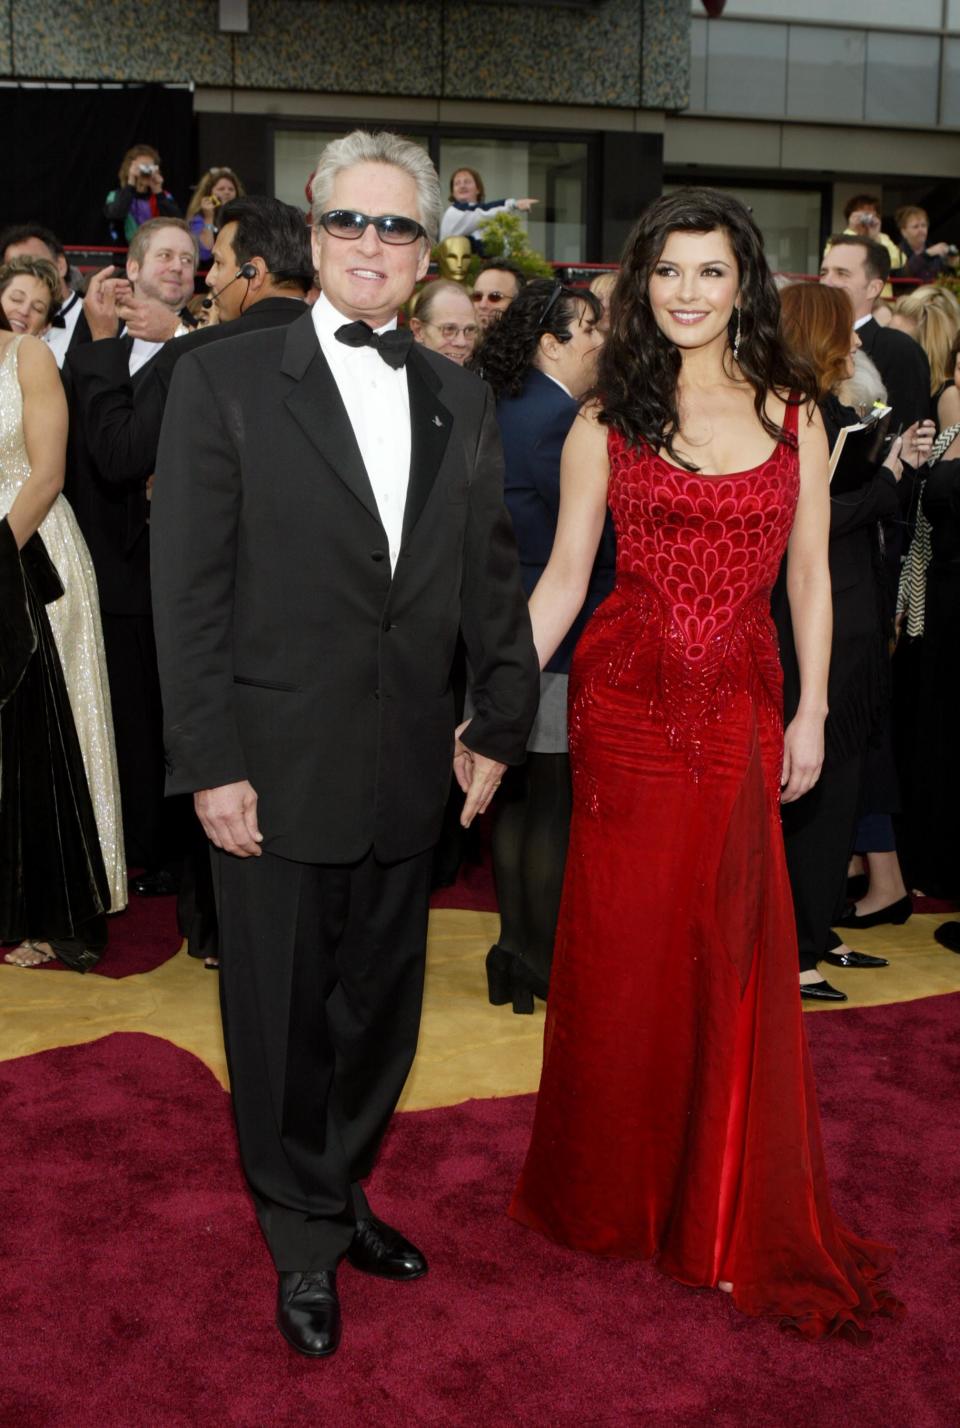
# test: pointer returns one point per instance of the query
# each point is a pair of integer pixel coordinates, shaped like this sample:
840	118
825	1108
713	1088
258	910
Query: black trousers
138	730
321	987
818	833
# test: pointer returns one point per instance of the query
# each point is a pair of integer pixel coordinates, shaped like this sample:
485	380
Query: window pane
698	64
918	14
902	78
553	171
789	220
746	68
950	98
825	75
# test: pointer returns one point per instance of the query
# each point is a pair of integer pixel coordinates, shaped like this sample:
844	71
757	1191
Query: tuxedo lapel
430	428
316	405
867	332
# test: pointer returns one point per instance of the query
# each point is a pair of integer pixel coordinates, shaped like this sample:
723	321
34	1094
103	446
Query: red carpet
142	937
135	1288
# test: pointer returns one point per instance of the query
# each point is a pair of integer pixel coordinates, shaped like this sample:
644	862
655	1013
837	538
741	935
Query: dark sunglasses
558	288
391	227
490	297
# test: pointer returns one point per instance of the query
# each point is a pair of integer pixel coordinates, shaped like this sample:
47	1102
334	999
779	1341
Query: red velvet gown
677	1117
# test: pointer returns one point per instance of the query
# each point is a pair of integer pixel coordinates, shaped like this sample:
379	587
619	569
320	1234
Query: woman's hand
525	204
208	208
918	443
802	756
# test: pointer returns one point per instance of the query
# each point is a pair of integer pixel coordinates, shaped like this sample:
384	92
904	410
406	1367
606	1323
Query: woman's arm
808	590
45	435
948	414
562	588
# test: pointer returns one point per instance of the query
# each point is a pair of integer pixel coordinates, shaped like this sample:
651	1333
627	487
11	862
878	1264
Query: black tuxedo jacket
289	656
111	510
903	365
121	417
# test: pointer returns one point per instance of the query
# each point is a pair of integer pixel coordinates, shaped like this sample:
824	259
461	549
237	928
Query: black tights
529	851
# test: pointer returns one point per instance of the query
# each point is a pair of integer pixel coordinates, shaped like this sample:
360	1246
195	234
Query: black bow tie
393	346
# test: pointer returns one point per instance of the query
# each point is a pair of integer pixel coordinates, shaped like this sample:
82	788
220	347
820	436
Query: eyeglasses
449	330
391	227
491	297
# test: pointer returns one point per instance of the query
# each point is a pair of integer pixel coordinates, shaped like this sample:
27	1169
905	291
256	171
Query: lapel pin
437	421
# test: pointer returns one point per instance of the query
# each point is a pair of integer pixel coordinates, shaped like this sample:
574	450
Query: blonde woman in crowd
218	186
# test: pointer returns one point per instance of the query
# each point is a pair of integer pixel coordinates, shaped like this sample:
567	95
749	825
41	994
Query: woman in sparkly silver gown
62	861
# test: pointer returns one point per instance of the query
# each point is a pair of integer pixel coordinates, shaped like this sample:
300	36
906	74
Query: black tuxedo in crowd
291	657
903	365
118	420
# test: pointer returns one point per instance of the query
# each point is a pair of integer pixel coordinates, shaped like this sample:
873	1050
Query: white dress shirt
140	354
58	338
378	406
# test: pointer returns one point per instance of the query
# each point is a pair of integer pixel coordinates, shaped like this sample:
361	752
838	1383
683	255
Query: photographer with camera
141	195
921	261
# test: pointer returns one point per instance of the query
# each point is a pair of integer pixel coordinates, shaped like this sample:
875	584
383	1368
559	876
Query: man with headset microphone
259	276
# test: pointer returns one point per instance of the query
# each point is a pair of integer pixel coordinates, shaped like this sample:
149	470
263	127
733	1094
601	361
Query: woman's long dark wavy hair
639	366
506	354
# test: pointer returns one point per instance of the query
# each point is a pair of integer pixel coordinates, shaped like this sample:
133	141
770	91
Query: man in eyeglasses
497	284
328	520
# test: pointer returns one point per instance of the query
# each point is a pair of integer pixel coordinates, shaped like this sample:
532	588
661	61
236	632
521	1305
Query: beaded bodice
689	620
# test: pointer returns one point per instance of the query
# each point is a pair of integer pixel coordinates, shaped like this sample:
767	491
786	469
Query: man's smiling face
364	277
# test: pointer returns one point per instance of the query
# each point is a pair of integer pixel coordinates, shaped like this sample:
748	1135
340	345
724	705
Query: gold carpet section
467	1047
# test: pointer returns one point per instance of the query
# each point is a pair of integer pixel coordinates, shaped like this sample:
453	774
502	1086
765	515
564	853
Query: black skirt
53	884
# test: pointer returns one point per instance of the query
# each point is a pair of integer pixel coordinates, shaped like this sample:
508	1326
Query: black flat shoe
853	959
308	1311
378	1249
896	912
821	992
948	935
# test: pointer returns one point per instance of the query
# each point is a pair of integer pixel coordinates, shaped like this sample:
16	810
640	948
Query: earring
736	340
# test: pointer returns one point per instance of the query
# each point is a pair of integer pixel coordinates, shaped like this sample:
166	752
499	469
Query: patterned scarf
912	590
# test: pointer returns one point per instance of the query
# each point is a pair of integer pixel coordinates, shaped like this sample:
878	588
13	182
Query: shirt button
377	554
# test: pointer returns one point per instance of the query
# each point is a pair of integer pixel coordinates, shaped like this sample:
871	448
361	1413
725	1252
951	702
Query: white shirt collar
861	320
327	318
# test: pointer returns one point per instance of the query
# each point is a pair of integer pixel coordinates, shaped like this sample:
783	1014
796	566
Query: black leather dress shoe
896	912
853	959
948	935
308	1311
377	1249
158	883
821	992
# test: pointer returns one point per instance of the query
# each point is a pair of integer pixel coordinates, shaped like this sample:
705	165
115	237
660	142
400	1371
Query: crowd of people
173	563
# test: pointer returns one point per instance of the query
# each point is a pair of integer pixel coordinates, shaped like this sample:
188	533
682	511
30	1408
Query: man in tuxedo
260	273
861	266
328	518
112	510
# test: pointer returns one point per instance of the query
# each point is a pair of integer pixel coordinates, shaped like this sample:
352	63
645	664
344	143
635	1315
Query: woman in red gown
677	1118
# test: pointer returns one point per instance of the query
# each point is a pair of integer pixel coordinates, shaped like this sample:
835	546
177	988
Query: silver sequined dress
75	622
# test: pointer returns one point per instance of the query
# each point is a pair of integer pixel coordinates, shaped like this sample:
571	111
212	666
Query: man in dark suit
861	267
259	276
328	517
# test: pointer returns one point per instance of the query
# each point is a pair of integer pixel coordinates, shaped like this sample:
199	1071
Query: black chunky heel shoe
500	965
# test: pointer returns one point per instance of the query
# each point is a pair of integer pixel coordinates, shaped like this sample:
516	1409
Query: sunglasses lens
397	230
490	297
341	223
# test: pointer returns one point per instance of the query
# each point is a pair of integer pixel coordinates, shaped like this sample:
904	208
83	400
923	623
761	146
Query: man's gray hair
361	147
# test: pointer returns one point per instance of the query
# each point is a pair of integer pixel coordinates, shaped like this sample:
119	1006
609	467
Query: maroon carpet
135	1288
142	937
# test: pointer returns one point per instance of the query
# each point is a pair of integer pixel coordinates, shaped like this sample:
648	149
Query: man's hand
479	777
100	303
155	181
148	319
229	818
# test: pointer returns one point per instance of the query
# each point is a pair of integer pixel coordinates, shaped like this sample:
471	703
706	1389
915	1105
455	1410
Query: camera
952	250
146	169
